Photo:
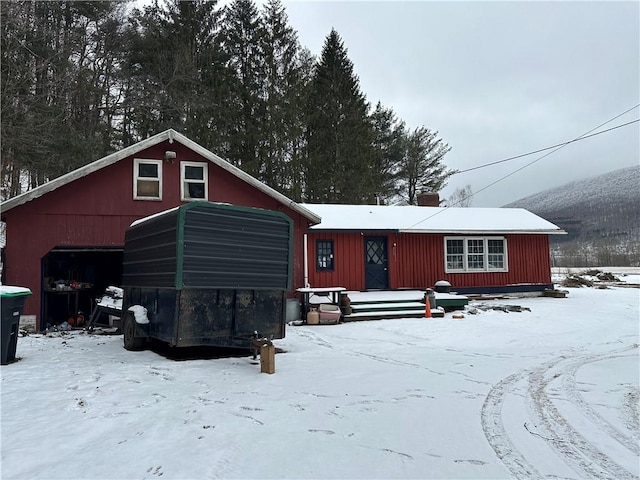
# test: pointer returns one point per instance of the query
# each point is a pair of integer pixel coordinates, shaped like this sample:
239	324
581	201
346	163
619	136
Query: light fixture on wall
169	156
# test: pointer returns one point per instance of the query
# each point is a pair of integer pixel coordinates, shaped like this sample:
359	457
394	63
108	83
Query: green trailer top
212	246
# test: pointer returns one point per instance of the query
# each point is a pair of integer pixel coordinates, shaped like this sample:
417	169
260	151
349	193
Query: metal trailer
206	274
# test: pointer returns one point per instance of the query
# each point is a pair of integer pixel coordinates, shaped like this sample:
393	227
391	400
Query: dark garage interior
72	279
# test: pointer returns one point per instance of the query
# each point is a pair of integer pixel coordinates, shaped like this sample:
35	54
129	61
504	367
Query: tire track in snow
569	385
495	433
630	411
581	456
577	452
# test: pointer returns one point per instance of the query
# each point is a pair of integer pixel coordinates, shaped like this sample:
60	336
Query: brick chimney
429	199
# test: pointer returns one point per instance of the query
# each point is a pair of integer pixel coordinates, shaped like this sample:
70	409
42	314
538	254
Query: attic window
475	254
147	179
194	181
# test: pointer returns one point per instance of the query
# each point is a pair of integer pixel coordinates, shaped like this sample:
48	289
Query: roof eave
320	229
489	232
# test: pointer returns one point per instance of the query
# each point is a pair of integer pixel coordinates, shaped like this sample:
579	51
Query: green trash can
11	302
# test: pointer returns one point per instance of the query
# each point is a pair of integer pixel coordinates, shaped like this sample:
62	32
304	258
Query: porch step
397	304
387	306
356	316
380	305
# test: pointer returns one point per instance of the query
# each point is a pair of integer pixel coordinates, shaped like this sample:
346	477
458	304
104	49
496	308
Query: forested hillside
600	214
81	79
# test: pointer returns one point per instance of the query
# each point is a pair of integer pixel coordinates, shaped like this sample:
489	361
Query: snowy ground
547	393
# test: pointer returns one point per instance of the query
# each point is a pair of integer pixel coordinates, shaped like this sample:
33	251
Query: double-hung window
194	181
475	254
147	179
324	255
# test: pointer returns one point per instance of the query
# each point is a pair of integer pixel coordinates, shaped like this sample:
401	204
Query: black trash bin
11	303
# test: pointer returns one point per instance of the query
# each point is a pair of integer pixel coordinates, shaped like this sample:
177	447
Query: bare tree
461	197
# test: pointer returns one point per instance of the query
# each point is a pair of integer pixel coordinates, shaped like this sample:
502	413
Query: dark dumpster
12	299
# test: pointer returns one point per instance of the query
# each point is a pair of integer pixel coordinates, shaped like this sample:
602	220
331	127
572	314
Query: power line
547	148
532	162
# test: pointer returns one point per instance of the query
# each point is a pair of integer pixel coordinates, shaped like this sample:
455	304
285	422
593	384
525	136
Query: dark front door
376	265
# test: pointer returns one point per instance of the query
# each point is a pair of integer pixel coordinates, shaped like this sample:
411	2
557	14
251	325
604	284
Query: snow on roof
412	219
168	135
149	217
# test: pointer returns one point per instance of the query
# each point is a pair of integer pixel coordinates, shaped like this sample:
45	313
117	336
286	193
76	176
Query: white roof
171	136
412	219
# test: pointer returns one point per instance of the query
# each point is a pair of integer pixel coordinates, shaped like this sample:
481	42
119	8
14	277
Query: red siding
95	211
417	261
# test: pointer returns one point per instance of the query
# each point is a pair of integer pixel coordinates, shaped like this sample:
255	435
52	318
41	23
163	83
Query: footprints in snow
156	471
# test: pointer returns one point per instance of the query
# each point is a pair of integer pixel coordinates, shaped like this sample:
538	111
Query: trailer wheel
131	341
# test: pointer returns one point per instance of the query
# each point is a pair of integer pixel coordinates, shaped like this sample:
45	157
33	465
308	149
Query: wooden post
267	359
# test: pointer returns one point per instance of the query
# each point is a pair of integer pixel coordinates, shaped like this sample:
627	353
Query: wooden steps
380	305
398	304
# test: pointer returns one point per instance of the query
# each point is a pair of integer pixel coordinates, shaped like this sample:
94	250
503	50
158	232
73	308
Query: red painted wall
417	261
95	211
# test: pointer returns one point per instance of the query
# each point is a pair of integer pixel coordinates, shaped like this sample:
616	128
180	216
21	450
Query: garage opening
72	278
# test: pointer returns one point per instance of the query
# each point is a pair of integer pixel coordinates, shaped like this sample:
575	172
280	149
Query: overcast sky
497	79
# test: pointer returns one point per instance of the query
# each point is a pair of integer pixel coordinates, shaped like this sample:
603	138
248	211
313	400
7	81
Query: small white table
332	293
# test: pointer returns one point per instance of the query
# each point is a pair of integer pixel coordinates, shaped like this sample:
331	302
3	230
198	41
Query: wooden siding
95	211
417	261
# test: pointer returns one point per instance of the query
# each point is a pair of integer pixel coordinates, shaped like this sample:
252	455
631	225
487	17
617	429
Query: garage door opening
72	278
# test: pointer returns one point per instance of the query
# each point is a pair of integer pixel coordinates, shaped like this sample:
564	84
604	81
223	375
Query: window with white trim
147	179
475	254
194	181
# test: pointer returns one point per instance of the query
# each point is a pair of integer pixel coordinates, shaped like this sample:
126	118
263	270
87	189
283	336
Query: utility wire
531	163
547	148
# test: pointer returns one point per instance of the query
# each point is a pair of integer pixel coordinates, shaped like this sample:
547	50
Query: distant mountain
600	214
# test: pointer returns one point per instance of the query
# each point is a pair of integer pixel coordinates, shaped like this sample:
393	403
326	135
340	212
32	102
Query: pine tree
243	31
177	74
340	137
281	128
421	168
388	146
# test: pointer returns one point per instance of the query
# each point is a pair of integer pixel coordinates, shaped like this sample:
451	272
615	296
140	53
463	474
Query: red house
71	229
368	247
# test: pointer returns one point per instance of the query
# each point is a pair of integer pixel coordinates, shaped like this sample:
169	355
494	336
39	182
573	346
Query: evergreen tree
78	82
281	128
388	146
177	76
340	136
242	43
293	180
421	168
